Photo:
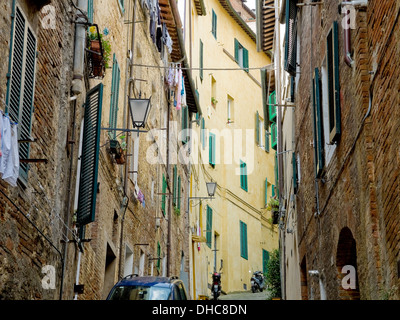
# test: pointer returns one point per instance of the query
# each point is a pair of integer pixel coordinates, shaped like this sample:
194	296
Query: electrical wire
268	67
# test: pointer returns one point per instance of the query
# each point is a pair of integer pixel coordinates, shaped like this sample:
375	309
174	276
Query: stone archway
346	263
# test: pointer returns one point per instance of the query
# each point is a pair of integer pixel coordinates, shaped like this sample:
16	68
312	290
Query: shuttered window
211	149
265	258
274	136
179	193
21	86
243	175
163	197
272	107
90	11
266	192
203	133
318	125
116	77
241	55
294	163
333	84
214	24
121	5
185	124
201	60
209	226
90	156
243	240
267	141
257	128
291	37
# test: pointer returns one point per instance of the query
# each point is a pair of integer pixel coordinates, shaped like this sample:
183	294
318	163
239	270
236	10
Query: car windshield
140	293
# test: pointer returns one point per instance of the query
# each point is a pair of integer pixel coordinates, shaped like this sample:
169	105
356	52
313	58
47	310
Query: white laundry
6	144
12	168
1	131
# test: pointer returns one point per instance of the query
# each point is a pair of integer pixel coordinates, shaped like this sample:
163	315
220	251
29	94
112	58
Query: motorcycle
257	281
216	285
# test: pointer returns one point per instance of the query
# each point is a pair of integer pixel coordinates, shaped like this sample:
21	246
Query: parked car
133	287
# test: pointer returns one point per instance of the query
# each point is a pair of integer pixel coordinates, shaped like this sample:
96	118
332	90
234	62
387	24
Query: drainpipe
79	53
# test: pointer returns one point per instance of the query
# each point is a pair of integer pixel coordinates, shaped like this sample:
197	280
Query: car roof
146	281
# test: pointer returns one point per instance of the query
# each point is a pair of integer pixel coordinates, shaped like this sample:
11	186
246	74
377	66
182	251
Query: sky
251	4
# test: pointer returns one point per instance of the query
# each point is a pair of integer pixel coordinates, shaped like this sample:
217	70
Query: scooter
257	281
216	285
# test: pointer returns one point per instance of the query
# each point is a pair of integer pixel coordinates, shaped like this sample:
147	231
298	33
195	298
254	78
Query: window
295	181
158	256
178	200
203	133
185	124
267	134
213	92
291	37
90	11
230	109
21	84
259	130
265	255
116	77
274	136
89	158
272	107
201	60
243	240
121	5
163	198
333	84
319	160
266	192
209	226
211	150
241	56
243	175
214	24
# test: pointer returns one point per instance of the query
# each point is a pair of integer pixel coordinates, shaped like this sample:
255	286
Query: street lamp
140	109
211	187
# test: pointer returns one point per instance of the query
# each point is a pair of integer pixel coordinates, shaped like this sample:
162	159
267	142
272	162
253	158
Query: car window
140	293
182	291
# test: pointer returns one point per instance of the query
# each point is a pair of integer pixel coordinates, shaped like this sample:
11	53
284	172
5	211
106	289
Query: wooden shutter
209	227
243	240
179	193
274	136
163	197
90	11
175	182
291	37
333	84
257	131
201	60
236	50
265	98
203	133
266	141
116	77
318	122
20	91
272	107
266	192
294	163
214	24
265	261
243	175
245	59
211	149
90	156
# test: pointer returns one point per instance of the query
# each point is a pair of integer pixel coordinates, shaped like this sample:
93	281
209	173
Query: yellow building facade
233	232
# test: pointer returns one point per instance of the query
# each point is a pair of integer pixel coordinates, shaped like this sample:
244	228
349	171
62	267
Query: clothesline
210	69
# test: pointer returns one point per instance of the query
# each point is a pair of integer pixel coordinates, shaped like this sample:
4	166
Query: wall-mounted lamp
140	109
211	187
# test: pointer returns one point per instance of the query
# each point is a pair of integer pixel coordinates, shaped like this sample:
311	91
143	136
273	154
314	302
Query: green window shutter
318	132
158	255
21	87
236	50
266	141
201	60
209	227
333	84
163	198
265	261
257	131
243	240
265	98
245	59
214	24
90	156
272	107
243	175
291	37
185	124
266	192
175	184
121	4
274	136
203	133
211	149
179	193
294	163
90	11
116	77
273	191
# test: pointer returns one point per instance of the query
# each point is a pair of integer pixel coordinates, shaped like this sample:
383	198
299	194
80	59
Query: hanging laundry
179	90
1	129
9	158
183	93
6	143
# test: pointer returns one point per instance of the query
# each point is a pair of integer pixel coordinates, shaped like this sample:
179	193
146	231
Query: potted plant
214	101
100	52
273	206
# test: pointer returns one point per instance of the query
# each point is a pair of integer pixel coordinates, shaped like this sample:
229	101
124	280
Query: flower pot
120	157
275	216
97	59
